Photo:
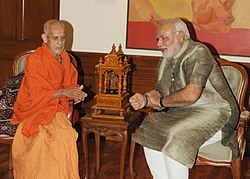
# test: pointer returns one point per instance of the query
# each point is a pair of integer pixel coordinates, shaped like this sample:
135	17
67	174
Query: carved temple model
113	93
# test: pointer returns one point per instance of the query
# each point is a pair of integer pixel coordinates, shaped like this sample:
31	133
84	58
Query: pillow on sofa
7	100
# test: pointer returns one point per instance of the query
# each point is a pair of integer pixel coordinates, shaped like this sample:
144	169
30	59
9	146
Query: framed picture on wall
223	25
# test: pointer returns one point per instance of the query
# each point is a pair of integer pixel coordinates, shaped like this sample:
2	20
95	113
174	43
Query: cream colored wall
98	24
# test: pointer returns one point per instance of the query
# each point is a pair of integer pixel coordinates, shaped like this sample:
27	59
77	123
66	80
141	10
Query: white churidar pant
163	167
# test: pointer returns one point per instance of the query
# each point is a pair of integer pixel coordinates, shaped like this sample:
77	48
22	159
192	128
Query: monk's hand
154	99
81	96
76	93
138	101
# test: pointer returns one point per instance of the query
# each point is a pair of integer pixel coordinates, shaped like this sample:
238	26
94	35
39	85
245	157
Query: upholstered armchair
217	154
18	67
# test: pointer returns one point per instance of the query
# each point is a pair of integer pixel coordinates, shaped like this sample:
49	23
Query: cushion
7	100
216	152
234	79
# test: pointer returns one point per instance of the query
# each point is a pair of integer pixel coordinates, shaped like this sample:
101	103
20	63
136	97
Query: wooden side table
108	127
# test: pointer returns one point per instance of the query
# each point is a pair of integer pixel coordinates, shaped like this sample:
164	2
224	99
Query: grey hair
49	23
178	24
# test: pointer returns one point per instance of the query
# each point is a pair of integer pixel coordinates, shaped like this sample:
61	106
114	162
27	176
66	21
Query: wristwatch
161	101
146	97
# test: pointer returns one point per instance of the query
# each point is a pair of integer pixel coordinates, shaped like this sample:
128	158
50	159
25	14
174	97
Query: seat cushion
7	128
216	152
7	100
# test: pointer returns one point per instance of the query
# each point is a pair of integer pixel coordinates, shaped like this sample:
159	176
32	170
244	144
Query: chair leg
10	157
131	159
236	169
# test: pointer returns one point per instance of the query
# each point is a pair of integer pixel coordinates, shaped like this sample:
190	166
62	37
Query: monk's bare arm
76	93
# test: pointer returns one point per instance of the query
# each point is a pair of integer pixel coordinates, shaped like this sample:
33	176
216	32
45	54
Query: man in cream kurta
195	105
44	145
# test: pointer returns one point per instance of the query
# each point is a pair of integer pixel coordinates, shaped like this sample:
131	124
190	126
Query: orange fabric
43	76
50	155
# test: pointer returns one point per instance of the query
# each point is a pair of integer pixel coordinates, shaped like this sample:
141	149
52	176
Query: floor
110	164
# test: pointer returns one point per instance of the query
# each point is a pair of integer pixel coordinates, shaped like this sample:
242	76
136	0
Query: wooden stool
108	127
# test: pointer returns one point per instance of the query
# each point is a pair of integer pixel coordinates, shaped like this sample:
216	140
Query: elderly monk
196	106
44	145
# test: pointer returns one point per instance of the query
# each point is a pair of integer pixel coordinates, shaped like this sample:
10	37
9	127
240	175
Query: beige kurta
179	132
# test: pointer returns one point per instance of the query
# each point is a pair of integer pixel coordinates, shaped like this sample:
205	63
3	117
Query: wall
98	24
21	27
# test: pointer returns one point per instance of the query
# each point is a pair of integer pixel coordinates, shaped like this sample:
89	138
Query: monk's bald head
54	36
49	24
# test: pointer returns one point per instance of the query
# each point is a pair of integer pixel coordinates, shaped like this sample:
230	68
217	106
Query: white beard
172	51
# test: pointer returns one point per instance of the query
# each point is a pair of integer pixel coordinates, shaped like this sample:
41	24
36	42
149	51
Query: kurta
179	132
44	145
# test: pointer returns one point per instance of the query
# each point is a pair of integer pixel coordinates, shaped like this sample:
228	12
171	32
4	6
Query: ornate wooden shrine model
113	93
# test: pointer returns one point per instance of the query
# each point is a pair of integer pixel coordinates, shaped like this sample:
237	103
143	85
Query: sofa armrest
244	117
241	129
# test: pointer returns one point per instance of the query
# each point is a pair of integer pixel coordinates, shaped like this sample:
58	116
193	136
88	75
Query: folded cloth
52	154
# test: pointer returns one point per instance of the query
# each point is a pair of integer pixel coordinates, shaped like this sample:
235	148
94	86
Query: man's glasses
164	38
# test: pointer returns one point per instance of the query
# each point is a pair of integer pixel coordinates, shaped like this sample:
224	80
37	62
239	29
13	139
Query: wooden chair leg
10	157
131	159
236	169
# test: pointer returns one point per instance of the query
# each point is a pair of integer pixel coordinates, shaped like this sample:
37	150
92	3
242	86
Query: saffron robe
43	76
179	132
44	145
52	154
